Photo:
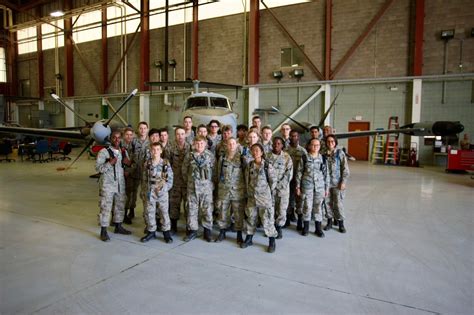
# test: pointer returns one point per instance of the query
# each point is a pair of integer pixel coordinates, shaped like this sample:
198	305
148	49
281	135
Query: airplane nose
458	127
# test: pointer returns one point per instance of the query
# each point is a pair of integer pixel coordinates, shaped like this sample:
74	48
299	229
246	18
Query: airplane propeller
100	132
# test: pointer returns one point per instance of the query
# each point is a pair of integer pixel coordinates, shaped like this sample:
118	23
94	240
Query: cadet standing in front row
338	172
230	191
197	169
259	177
111	186
157	181
283	166
312	184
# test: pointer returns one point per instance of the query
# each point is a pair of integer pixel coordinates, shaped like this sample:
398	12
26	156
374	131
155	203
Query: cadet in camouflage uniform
230	191
252	138
283	166
128	144
213	137
296	152
111	186
165	144
312	184
198	168
338	172
259	177
285	131
242	135
267	139
157	181
221	147
188	129
179	150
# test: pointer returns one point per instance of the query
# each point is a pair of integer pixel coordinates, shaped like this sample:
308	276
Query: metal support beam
70	118
39	56
295	44
362	37
12	76
327	103
254	43
327	68
301	107
92	75
195	41
105	58
254	97
419	29
144	107
123	57
416	109
165	62
68	51
144	45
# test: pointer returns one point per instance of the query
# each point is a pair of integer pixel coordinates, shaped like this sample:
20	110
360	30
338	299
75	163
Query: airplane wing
355	134
190	84
47	133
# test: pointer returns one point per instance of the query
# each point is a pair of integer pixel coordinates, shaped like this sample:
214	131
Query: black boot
148	236
221	236
120	230
131	214
126	219
279	231
292	216
192	234
329	225
167	237
248	242
318	231
299	224
335	223
305	230
240	240
271	245
174	226
342	229
207	235
103	234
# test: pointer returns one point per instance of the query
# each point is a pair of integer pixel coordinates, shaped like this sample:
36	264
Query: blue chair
5	149
42	148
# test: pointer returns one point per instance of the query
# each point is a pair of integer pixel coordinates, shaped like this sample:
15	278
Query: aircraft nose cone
458	127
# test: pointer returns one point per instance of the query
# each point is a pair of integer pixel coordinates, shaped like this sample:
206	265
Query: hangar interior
410	233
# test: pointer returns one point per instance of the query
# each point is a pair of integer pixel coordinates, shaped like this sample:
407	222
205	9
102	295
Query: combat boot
192	234
318	231
279	231
248	241
299	224
240	240
126	219
131	214
221	236
148	236
329	225
120	230
167	237
207	235
174	226
103	234
335	222
305	230
342	229
271	245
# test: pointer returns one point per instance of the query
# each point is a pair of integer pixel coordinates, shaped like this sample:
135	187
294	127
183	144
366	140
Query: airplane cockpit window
219	102
197	102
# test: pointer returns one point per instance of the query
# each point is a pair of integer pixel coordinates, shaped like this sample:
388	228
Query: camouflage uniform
166	151
190	138
283	166
267	147
178	191
157	181
246	154
111	187
221	149
338	172
131	180
198	170
296	154
313	181
259	202
230	191
213	142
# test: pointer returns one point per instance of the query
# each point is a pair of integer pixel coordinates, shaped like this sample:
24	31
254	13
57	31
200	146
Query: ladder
377	155
391	144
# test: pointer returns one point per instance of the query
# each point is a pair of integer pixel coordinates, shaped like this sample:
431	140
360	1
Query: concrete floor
408	250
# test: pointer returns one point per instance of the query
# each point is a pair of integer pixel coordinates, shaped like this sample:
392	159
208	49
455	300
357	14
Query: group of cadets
236	183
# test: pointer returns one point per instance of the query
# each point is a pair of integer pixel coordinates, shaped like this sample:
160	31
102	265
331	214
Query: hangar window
27	40
291	57
3	65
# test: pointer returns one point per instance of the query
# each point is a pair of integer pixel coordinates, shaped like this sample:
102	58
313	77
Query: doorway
359	147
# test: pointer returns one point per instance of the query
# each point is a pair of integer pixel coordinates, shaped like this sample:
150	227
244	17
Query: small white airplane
205	106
